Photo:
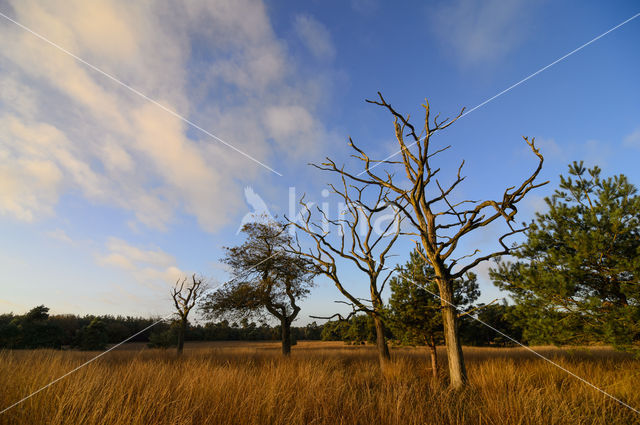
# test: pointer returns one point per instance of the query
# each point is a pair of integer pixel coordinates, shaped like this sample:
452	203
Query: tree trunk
286	337
433	353
181	332
381	342
457	370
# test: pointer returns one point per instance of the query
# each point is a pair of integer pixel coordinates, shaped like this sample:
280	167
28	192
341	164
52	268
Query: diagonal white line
540	355
122	342
133	90
515	85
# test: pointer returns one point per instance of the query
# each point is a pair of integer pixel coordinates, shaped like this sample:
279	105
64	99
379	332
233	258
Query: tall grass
322	383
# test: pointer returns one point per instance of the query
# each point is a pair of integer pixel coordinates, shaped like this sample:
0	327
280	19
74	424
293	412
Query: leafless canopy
445	221
360	235
352	236
186	294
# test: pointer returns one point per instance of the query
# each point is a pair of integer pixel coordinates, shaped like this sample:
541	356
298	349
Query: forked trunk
286	337
381	342
457	370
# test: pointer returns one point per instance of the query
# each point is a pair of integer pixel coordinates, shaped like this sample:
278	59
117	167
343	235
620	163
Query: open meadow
322	383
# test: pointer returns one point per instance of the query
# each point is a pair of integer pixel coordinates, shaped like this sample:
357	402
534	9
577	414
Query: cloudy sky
130	132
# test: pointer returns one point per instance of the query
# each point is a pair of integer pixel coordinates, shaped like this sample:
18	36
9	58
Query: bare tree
185	296
439	223
358	241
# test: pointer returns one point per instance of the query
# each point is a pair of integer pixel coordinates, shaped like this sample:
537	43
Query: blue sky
105	198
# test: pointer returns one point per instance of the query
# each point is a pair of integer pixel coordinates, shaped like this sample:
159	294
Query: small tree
414	310
185	297
577	277
266	278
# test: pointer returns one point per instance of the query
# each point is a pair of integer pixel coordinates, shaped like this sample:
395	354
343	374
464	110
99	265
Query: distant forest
38	329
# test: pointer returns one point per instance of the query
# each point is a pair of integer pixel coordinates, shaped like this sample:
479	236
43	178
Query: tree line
38	329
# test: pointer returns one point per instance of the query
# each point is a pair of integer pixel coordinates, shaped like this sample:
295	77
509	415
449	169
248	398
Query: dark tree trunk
433	354
457	370
182	330
381	342
286	337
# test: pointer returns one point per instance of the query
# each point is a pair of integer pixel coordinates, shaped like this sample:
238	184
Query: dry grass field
322	383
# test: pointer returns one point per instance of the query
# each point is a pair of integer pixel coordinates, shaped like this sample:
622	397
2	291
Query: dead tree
185	296
354	237
439	223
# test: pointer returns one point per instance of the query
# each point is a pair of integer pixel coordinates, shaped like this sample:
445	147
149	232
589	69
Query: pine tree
576	279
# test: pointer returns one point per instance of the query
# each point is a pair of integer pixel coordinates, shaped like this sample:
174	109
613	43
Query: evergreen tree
35	330
93	336
576	279
334	330
165	335
502	317
9	331
361	329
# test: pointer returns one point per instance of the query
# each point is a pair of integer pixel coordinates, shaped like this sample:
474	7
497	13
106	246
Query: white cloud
534	203
115	158
21	97
60	235
365	7
481	31
149	266
550	149
633	139
482	270
593	152
65	127
28	186
315	36
126	255
36	159
21	308
596	152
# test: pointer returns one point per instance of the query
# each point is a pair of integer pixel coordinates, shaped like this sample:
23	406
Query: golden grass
323	383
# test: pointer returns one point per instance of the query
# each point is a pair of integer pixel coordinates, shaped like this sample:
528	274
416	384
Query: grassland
322	383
